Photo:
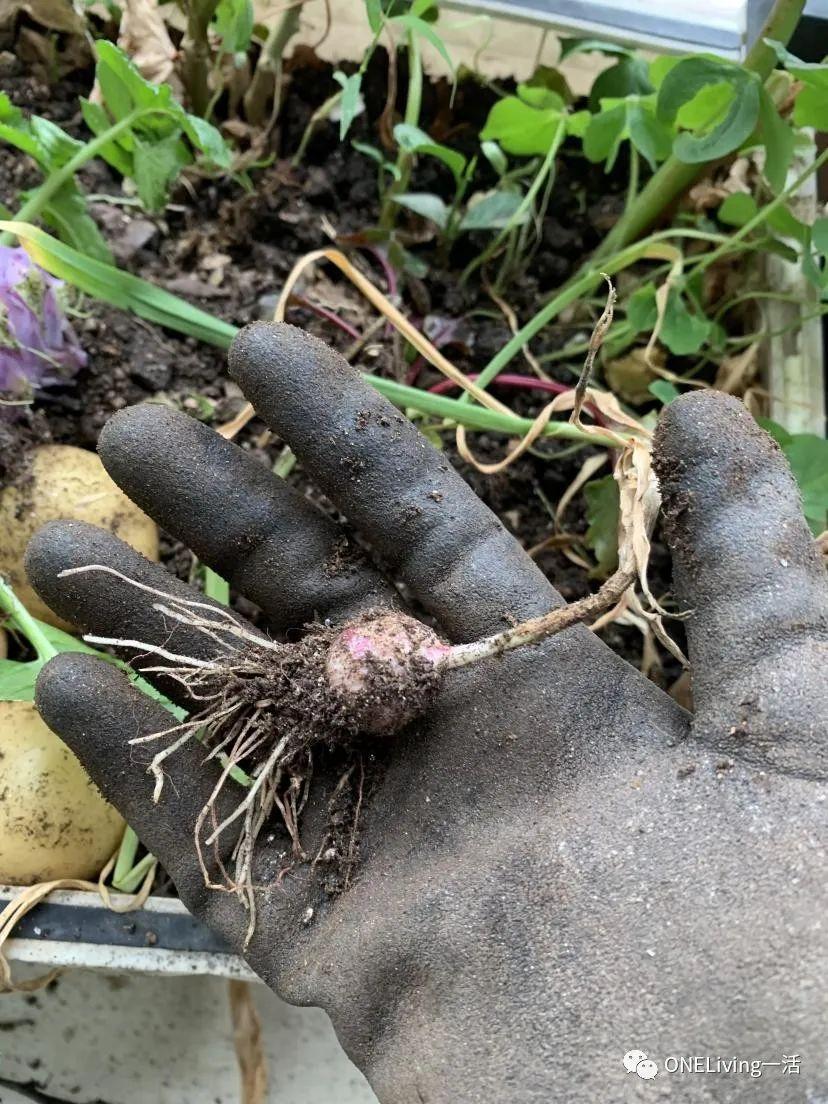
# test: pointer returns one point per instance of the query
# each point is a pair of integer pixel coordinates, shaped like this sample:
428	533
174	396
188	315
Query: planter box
76	929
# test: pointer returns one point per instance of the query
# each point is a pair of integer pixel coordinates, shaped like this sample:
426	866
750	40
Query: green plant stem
126	856
635	172
525	207
413	106
674	177
33	207
268	73
477	417
195	63
322	112
132	879
578	288
23	621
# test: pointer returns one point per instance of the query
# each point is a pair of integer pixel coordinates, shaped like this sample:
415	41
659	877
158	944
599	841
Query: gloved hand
554	867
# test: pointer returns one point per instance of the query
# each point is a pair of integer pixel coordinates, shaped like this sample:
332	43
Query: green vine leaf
681	85
350	104
426	205
522	126
602	513
414	140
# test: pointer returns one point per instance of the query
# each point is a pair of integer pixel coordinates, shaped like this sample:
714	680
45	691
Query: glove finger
266	539
95	710
418	512
107	605
748	569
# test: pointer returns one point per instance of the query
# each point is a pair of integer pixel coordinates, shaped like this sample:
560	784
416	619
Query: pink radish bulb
384	668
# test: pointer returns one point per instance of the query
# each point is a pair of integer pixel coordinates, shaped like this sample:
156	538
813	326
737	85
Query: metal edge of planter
793	363
75	929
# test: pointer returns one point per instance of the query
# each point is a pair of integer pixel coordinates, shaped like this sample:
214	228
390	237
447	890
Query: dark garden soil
228	250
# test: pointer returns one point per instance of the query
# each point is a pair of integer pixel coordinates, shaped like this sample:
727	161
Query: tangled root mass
264	707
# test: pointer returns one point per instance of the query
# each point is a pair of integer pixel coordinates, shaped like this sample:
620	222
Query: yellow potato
64	482
54	823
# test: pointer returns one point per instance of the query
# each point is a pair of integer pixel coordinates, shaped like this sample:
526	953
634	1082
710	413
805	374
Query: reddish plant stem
525	383
329	315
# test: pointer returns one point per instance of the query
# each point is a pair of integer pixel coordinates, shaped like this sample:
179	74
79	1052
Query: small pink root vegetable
383	668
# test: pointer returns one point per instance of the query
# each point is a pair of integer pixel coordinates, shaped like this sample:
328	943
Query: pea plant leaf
683	331
414	140
778	139
351	102
721	135
67	215
415	24
633	119
628	77
642	308
811	104
233	24
492	211
808	456
602	513
525	124
426	205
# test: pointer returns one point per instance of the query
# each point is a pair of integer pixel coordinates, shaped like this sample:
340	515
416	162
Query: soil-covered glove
555	867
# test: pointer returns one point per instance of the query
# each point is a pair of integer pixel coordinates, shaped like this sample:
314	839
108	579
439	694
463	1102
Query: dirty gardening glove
554	867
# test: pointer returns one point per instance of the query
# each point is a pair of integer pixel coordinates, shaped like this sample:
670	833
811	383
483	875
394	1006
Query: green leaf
808	456
56	145
492	211
811	108
736	128
708	106
652	138
379	157
349	105
811	104
540	97
778	139
495	156
233	23
426	205
602	513
628	77
688	77
21	138
682	332
66	213
122	85
156	165
120	289
577	123
112	152
208	140
418	26
738	209
819	235
664	391
642	308
414	140
373	10
778	432
592	45
605	134
17	680
520	128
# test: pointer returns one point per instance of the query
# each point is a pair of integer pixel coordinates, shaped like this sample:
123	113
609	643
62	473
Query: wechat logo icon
636	1061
